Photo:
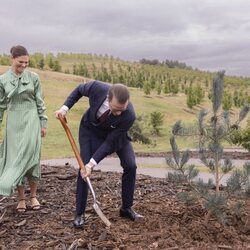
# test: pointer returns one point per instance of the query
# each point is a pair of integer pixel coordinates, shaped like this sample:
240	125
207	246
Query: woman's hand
43	132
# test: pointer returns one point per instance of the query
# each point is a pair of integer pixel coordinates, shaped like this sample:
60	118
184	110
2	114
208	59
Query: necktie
104	116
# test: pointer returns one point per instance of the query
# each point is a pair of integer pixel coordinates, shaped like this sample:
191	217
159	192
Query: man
103	131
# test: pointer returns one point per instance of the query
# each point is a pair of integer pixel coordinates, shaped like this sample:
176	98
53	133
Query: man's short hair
120	92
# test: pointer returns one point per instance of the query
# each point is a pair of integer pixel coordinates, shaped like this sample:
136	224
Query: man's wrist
93	162
90	165
65	108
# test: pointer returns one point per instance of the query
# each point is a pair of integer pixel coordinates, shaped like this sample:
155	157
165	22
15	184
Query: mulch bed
168	224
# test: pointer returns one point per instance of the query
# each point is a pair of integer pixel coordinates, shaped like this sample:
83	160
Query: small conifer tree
137	132
146	88
156	121
212	132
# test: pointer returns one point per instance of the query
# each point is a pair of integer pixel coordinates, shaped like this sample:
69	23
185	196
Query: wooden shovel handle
64	123
81	165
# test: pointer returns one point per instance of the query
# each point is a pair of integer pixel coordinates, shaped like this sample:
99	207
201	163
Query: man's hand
89	168
61	112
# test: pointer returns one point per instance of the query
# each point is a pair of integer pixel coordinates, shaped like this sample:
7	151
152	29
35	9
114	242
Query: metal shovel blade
101	215
95	205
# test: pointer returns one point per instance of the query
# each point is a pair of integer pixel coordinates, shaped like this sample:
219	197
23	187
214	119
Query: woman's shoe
21	207
35	205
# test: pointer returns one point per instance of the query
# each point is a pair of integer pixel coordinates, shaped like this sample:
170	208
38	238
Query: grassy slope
56	87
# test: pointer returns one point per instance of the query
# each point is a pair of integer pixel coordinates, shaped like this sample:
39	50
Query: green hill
57	86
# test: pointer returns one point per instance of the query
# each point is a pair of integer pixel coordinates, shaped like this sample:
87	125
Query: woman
21	96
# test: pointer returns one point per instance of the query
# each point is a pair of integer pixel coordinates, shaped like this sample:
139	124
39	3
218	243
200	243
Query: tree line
169	77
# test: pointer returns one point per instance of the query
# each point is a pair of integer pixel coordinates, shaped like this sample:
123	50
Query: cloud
207	34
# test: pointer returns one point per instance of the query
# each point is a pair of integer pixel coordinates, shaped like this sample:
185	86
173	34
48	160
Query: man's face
117	108
19	64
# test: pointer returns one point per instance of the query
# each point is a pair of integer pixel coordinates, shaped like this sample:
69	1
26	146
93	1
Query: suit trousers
89	143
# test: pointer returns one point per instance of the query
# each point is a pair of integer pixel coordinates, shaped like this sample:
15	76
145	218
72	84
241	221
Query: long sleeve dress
21	96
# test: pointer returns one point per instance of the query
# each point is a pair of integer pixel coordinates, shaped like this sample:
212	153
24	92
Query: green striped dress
21	97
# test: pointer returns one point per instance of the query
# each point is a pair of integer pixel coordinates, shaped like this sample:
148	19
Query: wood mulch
167	223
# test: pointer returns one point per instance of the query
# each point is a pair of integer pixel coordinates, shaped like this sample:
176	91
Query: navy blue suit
97	140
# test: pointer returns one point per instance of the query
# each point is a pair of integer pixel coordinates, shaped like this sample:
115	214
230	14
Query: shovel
81	165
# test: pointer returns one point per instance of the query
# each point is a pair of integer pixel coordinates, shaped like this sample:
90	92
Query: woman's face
19	64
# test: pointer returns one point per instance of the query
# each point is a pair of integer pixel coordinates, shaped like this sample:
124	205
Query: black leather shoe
78	221
130	213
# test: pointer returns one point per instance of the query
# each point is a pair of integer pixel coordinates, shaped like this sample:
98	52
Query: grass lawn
57	86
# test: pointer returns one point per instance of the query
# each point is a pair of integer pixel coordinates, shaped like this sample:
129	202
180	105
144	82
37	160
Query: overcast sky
208	34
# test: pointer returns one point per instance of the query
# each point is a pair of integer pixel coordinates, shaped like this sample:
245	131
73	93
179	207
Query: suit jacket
114	131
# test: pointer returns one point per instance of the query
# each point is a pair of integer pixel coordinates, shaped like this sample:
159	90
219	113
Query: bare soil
167	223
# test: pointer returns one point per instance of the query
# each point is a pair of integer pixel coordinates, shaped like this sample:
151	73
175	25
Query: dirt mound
168	224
